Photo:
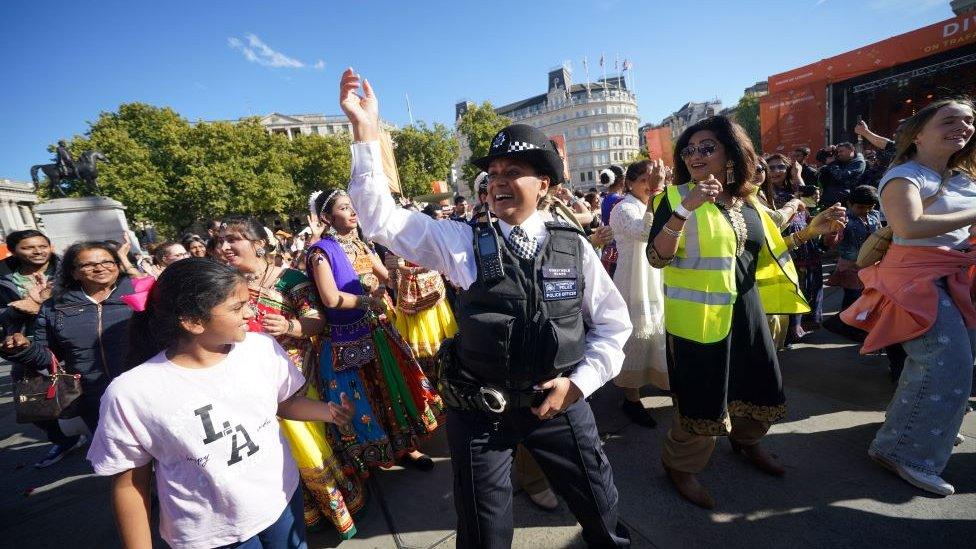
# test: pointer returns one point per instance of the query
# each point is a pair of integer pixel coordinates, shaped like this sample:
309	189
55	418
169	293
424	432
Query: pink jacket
900	299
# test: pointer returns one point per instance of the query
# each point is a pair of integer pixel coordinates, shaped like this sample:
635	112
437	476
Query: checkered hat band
520	146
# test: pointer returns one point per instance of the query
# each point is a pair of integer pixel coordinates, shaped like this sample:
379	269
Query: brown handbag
41	398
419	291
877	243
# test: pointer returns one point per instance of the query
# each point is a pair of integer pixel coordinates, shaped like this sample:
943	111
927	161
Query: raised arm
444	246
878	141
631	221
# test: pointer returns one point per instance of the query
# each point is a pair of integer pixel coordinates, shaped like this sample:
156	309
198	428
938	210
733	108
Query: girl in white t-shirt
202	406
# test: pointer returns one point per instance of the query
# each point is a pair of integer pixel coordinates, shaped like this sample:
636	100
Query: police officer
524	362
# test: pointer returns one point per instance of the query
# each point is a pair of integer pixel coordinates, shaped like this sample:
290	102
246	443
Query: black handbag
46	397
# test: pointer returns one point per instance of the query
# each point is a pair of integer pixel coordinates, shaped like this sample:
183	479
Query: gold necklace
733	209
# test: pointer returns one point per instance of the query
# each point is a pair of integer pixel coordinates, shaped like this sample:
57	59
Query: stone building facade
597	120
17	200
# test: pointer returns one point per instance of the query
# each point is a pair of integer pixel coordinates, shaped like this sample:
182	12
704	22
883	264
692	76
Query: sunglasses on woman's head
706	150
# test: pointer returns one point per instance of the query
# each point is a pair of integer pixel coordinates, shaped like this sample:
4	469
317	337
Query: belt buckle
493	399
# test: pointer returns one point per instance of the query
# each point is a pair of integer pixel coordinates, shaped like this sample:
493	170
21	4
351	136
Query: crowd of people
260	377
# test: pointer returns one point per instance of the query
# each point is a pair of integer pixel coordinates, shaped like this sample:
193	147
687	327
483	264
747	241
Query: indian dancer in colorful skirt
396	405
423	314
287	307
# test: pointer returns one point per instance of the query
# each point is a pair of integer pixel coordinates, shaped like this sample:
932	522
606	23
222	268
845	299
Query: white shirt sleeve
605	312
630	221
119	443
444	246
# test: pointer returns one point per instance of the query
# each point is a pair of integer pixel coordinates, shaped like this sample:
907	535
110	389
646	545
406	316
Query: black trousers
568	450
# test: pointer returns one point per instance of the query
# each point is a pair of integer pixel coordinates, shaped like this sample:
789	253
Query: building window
582	177
589	176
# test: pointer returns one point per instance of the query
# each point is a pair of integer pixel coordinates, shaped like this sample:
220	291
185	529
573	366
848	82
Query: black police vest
527	327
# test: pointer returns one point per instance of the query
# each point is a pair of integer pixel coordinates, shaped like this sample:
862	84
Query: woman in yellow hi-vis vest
726	266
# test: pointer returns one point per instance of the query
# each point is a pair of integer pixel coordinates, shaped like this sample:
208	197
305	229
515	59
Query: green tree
317	162
174	173
479	125
747	115
423	154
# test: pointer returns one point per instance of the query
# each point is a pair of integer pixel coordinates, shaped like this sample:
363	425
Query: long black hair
738	151
66	280
16	237
187	290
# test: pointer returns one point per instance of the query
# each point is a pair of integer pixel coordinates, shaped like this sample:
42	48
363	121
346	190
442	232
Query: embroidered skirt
396	405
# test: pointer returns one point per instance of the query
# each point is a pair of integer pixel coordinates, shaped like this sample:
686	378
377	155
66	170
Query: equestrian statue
65	168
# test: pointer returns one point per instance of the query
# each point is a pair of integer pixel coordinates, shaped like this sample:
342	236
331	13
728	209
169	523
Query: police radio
489	255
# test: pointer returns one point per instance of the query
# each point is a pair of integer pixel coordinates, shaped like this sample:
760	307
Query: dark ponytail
187	290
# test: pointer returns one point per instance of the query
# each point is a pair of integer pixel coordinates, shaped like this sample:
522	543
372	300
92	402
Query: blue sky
223	60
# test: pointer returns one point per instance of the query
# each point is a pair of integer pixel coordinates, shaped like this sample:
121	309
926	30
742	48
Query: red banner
560	143
659	145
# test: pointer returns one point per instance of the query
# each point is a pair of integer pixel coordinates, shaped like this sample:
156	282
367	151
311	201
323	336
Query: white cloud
319	65
256	51
819	2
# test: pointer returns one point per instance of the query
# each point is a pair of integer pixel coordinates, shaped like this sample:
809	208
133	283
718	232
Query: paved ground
832	495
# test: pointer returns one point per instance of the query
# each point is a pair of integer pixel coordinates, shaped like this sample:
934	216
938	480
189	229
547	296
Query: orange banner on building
919	43
659	145
793	118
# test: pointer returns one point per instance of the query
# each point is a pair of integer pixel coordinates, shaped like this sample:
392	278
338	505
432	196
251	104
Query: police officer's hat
526	143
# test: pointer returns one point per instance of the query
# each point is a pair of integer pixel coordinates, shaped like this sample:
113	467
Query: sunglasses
706	150
777	168
760	168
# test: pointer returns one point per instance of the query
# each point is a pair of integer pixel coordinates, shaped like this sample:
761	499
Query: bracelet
296	331
679	216
671	232
681	211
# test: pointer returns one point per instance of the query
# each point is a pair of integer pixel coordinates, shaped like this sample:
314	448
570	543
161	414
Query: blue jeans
288	532
928	406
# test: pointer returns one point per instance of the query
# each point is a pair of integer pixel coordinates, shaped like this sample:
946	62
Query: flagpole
603	65
586	69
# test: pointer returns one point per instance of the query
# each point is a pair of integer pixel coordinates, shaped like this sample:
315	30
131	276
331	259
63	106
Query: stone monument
69	220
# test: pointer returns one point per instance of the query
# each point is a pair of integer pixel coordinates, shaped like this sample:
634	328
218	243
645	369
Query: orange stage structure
884	82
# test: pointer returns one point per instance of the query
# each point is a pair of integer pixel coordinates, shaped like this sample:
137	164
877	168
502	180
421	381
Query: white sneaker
545	499
915	477
959	440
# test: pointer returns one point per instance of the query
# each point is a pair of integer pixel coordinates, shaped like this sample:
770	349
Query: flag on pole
627	65
601	59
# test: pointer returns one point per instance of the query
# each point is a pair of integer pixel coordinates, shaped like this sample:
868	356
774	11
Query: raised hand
315	227
363	110
659	175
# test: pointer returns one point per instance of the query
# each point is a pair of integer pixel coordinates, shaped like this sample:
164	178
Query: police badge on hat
524	142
